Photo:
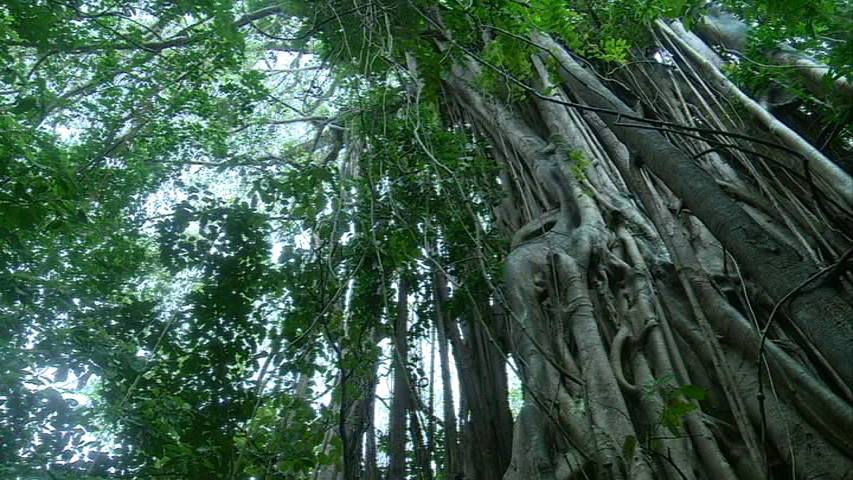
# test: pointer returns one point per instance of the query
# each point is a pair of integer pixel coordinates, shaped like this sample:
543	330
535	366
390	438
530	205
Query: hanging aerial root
836	181
622	340
619	340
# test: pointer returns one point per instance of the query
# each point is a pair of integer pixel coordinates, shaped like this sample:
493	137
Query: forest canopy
414	239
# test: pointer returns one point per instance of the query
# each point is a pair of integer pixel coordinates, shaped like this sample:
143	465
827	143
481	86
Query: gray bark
451	447
821	312
401	399
722	28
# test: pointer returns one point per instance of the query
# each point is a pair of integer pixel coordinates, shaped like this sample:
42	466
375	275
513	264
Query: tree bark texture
620	291
675	295
401	399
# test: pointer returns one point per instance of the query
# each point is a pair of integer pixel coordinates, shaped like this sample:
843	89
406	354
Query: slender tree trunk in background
400	401
348	402
351	426
354	408
371	469
487	429
485	419
422	462
432	419
359	352
366	421
452	464
329	472
358	419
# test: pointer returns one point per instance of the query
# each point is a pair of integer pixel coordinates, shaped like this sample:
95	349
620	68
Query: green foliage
172	262
511	58
614	50
579	164
86	138
557	18
821	29
678	402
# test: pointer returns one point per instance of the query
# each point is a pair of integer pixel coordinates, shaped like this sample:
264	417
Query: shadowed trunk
452	460
401	399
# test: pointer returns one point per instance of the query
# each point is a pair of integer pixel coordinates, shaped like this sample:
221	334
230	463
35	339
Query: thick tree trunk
822	312
595	286
646	257
836	179
422	457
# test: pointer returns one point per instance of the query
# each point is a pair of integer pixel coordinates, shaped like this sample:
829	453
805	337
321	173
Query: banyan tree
520	239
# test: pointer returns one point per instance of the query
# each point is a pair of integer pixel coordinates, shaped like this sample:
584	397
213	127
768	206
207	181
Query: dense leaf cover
206	208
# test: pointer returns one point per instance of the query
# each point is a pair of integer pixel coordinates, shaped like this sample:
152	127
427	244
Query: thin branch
157	46
312	120
607	111
314	28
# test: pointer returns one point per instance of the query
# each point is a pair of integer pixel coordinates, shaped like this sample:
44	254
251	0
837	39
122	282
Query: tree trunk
821	313
422	456
722	28
674	294
400	401
594	287
452	460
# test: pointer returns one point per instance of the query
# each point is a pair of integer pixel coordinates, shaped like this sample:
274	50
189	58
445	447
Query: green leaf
675	412
628	448
693	392
26	104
